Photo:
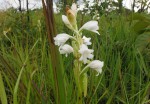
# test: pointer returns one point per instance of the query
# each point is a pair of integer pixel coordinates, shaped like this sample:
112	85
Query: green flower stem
83	71
73	38
77	65
77	69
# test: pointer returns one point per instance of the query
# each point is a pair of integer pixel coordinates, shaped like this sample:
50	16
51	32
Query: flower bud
71	17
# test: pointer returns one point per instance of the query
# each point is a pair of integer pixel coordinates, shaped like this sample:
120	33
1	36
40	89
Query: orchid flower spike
60	39
85	53
91	26
65	49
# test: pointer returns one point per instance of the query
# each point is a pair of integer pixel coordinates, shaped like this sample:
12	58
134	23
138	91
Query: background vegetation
26	75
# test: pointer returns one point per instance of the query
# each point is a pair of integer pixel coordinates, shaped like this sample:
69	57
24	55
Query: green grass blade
2	91
19	77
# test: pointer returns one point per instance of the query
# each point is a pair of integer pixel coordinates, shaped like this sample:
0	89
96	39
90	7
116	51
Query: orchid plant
83	56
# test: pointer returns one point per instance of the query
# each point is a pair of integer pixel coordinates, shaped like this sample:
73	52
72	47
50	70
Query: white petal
65	19
96	65
96	32
85	53
60	39
91	26
99	70
74	8
66	55
97	74
85	60
81	58
90	56
86	40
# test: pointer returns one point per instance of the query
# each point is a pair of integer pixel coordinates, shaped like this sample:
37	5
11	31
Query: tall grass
125	76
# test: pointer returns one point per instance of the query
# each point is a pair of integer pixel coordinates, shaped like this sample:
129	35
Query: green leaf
140	26
142	41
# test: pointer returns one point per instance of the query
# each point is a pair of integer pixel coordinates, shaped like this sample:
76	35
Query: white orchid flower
60	39
65	49
86	40
96	65
91	26
85	53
